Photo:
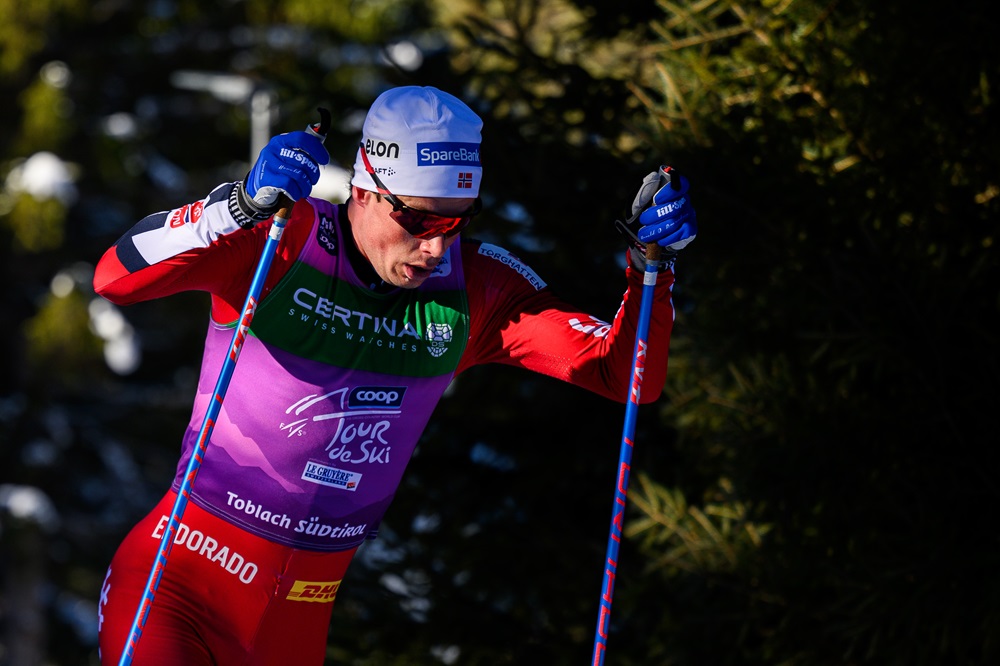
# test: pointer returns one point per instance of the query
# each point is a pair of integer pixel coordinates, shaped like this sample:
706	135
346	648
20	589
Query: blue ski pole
653	251
214	408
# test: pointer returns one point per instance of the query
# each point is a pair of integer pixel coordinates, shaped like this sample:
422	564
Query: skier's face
400	258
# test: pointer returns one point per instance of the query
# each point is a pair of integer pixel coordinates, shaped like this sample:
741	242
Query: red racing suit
265	542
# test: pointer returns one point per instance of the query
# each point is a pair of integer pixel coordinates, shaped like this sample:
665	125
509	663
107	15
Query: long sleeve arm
517	320
206	246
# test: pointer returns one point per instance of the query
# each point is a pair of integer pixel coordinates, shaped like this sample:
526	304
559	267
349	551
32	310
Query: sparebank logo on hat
448	153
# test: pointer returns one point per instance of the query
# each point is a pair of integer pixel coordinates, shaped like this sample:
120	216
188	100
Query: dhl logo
320	591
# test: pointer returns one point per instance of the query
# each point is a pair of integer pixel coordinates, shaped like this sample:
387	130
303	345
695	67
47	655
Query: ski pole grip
319	130
653	251
286	207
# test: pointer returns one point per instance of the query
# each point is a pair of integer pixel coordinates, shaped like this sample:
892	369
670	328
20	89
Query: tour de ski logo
438	338
359	420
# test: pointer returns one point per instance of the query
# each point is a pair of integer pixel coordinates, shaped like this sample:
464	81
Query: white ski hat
421	142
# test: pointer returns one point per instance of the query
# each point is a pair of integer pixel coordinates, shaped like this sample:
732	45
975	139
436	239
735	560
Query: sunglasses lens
463	222
426	225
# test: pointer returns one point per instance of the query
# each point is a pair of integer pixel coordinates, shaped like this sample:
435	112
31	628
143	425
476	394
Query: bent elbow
110	282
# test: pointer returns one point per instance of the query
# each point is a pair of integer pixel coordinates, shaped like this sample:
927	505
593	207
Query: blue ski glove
288	164
662	213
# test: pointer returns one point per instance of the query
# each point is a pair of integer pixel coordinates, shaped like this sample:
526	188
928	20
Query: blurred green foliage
36	225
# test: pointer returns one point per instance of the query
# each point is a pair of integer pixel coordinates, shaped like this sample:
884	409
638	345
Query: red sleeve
224	268
518	321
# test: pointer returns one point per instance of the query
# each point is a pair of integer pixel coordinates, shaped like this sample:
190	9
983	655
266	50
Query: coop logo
375	397
323	592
